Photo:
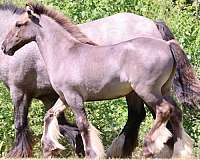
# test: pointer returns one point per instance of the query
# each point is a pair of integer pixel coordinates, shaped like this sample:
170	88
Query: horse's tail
164	30
186	83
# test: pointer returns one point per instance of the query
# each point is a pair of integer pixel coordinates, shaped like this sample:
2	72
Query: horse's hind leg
159	134
183	142
124	144
23	143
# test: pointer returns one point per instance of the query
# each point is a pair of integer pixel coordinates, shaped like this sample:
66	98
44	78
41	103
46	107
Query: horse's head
23	32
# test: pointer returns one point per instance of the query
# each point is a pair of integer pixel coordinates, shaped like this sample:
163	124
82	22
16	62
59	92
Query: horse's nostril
3	48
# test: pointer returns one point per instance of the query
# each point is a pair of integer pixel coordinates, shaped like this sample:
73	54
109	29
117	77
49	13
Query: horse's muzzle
6	51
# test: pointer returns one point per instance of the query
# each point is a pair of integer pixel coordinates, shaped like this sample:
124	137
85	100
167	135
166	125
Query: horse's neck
53	41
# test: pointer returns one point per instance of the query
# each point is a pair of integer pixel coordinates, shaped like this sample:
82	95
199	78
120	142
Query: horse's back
147	59
119	27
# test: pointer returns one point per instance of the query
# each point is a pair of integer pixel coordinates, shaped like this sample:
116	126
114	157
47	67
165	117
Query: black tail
186	83
164	30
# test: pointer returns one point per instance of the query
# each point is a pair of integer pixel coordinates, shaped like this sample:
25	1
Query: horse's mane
12	8
65	22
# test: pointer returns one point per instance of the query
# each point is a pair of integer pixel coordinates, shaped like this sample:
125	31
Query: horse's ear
29	10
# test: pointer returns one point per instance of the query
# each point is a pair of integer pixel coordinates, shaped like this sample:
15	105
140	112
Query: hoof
16	152
50	153
23	145
156	142
116	149
50	149
166	152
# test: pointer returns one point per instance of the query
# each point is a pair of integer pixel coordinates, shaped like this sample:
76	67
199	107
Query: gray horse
98	31
28	82
118	75
33	75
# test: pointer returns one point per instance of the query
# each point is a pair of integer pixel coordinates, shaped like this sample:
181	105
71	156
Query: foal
112	72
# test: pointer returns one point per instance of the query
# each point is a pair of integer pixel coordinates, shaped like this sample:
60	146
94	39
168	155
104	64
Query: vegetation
110	116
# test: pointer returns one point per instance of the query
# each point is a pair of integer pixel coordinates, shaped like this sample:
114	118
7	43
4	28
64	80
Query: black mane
11	7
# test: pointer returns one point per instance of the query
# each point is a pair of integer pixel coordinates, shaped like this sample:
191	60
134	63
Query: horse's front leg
124	144
23	143
92	143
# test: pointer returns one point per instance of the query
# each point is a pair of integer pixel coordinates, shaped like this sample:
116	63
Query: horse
124	144
30	81
113	80
40	88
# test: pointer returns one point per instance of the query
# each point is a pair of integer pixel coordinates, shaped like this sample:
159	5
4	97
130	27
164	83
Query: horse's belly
110	91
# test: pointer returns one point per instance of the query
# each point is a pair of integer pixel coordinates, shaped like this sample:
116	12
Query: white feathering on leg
183	147
160	137
166	152
116	148
53	133
95	141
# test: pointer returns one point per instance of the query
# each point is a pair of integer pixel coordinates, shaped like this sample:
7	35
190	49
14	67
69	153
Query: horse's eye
18	25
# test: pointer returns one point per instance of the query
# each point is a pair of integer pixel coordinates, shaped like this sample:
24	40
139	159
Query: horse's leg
51	131
23	143
159	134
167	151
92	143
72	133
68	130
181	143
123	145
